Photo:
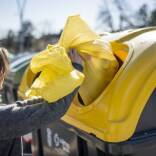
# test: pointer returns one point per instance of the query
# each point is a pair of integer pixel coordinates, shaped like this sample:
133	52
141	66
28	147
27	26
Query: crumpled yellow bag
58	78
100	68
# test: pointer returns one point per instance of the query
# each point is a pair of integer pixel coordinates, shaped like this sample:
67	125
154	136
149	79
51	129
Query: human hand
75	57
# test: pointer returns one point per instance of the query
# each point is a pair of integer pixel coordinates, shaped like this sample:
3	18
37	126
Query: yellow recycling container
114	114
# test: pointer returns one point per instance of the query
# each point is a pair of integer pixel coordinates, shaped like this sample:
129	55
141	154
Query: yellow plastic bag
100	68
58	77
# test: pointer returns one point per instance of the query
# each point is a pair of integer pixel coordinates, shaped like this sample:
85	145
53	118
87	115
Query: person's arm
23	117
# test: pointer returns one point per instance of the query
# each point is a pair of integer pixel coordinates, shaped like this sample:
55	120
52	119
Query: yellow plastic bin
120	121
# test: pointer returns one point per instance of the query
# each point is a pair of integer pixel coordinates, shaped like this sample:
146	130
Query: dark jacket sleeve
26	116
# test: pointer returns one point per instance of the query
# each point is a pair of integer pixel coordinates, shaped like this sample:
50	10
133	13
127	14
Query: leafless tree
105	16
21	4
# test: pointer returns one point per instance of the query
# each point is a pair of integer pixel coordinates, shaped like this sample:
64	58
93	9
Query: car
17	67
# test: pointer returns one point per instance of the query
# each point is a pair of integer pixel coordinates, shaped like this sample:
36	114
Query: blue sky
50	15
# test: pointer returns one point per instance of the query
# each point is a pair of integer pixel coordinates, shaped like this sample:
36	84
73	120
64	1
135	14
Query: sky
50	15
